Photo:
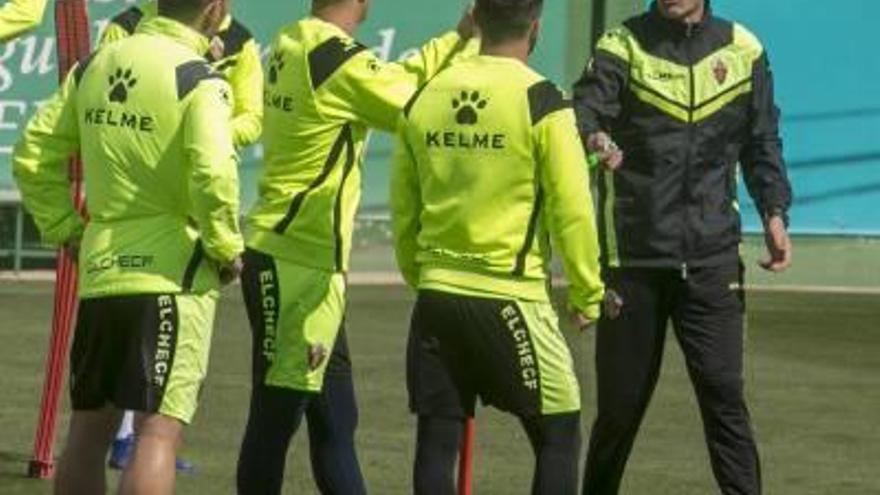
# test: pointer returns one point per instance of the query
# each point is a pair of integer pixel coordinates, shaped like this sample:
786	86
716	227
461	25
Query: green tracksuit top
235	55
488	171
324	91
152	122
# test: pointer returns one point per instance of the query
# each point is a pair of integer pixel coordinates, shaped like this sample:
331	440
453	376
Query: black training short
146	353
509	353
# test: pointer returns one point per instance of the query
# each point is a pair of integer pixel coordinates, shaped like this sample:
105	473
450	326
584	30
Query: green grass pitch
813	376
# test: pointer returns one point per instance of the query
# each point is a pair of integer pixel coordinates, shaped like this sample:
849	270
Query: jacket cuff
775	211
586	303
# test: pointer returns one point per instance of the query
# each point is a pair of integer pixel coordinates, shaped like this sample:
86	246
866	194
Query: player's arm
569	213
19	16
213	180
372	91
40	165
406	206
764	168
597	96
761	157
246	79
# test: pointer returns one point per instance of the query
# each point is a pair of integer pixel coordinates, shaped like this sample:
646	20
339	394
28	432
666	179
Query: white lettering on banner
32	61
12	112
383	49
6	78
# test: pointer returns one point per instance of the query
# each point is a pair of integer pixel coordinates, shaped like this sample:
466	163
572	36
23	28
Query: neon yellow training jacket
20	16
323	93
151	119
489	169
237	58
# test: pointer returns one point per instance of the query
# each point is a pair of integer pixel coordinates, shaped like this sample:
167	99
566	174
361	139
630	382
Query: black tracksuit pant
706	307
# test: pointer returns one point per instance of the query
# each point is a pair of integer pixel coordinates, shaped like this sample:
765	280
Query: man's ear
534	35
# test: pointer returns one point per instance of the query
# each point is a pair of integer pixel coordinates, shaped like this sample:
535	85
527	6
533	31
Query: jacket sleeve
761	157
569	215
246	80
213	180
374	92
19	16
598	93
40	165
406	208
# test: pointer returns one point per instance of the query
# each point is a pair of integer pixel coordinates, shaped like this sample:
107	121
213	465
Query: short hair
181	9
320	4
503	20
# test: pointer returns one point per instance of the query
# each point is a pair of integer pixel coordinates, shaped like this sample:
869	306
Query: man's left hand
779	245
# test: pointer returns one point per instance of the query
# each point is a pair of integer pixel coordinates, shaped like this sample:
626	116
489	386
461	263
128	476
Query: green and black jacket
687	104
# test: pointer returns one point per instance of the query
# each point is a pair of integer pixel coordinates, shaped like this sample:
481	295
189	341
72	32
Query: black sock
275	415
332	418
438	443
556	442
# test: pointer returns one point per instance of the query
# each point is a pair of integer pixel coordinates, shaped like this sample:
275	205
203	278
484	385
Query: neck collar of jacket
681	28
183	34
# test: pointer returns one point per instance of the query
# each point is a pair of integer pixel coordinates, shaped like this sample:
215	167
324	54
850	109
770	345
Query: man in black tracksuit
674	101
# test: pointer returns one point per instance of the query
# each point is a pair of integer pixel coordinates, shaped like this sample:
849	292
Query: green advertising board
395	27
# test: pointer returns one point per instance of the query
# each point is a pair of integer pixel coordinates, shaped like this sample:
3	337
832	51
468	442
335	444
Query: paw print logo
121	82
276	64
466	107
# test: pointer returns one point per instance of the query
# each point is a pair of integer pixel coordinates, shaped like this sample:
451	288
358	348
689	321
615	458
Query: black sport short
509	353
146	353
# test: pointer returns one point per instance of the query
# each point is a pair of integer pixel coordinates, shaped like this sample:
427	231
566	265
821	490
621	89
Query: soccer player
17	17
489	170
686	96
324	92
152	121
234	53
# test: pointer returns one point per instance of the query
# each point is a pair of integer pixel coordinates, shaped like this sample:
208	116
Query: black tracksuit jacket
687	104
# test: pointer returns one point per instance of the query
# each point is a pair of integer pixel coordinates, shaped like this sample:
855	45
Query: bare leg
81	468
151	470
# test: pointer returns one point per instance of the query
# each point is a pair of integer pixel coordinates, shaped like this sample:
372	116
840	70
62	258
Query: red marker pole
466	459
72	28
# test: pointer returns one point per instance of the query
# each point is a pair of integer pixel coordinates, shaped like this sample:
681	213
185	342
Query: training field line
385	278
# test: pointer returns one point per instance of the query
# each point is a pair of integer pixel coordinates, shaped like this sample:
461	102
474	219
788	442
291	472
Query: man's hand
231	271
610	156
467	27
778	245
580	321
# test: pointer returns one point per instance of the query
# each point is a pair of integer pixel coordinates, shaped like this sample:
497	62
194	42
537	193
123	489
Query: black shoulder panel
80	70
233	39
328	57
545	98
412	101
129	19
190	74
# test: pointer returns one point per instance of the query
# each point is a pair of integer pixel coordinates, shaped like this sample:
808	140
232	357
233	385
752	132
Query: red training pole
72	28
466	459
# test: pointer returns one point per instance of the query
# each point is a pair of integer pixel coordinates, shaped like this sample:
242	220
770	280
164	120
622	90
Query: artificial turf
813	376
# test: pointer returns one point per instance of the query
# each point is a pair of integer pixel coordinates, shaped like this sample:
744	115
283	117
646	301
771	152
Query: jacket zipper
686	190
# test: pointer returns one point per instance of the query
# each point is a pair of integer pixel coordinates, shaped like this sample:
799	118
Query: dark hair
181	9
320	4
502	20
